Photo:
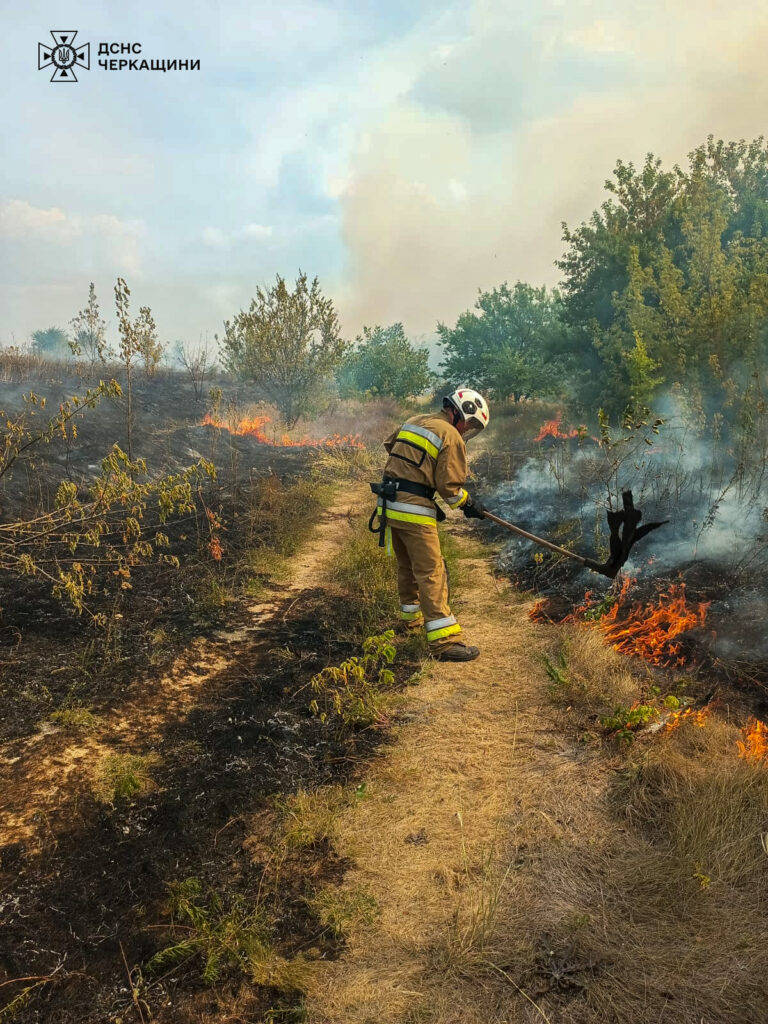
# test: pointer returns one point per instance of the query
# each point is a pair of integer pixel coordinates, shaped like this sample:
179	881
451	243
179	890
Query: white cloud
257	231
458	190
214	237
218	239
601	37
19	219
47	240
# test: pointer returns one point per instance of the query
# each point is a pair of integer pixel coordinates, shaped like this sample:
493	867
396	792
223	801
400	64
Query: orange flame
253	427
754	746
697	717
552	429
651	630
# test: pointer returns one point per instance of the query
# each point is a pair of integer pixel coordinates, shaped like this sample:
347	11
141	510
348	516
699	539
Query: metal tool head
625	533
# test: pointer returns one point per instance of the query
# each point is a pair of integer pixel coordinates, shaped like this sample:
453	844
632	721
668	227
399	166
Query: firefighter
428	456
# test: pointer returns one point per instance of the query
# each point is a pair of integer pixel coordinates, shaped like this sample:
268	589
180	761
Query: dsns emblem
64	56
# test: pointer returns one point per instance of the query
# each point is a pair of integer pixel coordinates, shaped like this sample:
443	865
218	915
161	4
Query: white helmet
472	408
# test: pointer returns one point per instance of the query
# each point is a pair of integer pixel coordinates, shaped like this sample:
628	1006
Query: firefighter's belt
387	491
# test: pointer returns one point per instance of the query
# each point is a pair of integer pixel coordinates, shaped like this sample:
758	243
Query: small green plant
226	934
596	611
557	670
22	999
625	722
122	776
76	719
704	881
211	595
161	643
296	1014
231	936
340	909
355	692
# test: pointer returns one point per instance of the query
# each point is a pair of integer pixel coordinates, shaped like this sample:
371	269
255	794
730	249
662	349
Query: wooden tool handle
537	540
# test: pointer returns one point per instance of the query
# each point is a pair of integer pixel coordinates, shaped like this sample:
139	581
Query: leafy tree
680	259
133	344
52	342
510	346
199	362
641	369
384	362
286	342
638	214
149	348
89	332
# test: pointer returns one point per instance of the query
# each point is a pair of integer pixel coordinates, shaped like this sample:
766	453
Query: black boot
456	652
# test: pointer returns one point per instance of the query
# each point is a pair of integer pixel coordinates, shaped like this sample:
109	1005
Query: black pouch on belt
387	491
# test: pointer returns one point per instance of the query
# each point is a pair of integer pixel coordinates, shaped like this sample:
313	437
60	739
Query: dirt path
39	774
464	782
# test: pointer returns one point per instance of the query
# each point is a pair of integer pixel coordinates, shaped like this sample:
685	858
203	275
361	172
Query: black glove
472	509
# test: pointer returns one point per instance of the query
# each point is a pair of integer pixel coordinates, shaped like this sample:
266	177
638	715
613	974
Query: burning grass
698	716
754	744
253	426
653	630
552	429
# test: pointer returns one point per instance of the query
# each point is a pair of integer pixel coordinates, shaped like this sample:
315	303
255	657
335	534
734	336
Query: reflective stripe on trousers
410	612
438	628
422	579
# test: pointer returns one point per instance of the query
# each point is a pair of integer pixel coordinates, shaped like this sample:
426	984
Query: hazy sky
407	152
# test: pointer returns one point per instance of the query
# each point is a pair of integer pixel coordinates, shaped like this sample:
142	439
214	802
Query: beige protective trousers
422	583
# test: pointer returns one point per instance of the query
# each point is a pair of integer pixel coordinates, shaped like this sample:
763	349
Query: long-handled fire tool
623	525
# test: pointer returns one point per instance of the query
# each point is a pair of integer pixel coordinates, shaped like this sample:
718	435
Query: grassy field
238	797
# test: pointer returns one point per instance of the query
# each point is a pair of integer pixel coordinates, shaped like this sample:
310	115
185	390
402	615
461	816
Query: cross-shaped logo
64	55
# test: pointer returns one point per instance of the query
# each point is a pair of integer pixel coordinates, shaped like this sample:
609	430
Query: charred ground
710	555
167	743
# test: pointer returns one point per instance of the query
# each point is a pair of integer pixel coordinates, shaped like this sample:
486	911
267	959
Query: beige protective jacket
427	450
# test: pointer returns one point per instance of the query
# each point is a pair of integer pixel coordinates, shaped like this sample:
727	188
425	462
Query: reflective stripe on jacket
405	512
427	450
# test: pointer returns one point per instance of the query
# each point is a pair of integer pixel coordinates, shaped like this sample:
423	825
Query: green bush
354	694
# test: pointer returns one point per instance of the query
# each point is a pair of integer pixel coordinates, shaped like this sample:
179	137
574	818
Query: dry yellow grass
588	679
664	899
521	875
432	842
